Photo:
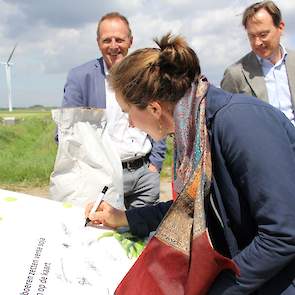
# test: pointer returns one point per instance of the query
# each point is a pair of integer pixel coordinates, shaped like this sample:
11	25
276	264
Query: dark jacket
253	157
85	86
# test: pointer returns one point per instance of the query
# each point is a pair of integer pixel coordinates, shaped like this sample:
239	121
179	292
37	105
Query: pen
97	203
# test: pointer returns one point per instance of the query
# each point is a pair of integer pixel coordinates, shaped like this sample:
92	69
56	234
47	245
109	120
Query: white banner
46	249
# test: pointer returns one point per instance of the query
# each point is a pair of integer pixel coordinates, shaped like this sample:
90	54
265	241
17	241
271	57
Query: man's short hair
113	15
269	6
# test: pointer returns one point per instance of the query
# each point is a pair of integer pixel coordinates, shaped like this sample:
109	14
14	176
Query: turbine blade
11	54
9	89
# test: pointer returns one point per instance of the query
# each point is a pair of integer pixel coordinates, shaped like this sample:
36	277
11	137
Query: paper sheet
86	159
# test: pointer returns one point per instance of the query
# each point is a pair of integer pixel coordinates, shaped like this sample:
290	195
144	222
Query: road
165	190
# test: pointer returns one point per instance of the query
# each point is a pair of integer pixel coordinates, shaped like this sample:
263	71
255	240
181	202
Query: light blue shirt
276	80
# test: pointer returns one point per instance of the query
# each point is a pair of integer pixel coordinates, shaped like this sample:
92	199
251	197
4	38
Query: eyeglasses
261	36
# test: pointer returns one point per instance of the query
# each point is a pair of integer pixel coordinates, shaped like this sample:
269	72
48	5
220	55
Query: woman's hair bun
176	58
165	73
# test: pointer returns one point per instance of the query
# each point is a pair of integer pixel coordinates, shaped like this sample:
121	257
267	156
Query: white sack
86	160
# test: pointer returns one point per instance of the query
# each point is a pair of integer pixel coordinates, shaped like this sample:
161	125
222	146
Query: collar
99	65
216	99
283	58
106	71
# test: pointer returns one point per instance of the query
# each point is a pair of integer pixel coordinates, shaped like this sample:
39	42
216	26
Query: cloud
144	34
56	35
69	13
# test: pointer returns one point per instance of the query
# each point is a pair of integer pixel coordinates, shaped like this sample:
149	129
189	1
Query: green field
28	150
21	114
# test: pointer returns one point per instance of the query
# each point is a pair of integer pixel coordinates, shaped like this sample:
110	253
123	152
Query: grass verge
27	151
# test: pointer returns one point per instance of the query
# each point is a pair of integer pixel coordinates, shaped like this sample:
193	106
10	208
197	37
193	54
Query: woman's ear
155	109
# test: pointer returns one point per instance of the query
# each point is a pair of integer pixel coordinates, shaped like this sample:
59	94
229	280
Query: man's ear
131	41
97	41
155	109
282	26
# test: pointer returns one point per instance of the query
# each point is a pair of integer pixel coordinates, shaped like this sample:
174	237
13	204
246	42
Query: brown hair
269	6
164	73
113	15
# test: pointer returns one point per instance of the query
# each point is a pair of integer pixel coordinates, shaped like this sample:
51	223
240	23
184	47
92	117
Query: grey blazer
246	76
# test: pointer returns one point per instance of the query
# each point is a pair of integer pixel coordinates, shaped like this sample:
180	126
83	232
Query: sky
54	36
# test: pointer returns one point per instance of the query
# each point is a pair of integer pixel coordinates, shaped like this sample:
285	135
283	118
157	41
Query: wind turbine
8	65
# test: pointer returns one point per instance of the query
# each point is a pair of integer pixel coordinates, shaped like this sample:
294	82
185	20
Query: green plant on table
132	245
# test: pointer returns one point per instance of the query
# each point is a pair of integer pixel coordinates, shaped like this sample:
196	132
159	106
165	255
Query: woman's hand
106	215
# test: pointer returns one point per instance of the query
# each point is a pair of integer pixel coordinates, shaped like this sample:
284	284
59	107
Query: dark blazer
246	76
85	86
253	157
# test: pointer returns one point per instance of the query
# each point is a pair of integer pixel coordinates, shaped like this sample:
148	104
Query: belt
135	164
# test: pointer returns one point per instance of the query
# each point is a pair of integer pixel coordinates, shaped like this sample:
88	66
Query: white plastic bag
86	160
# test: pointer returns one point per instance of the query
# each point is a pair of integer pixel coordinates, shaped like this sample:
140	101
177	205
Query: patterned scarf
180	259
192	151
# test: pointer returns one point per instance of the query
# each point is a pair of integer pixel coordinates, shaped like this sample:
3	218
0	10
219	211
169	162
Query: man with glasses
268	71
